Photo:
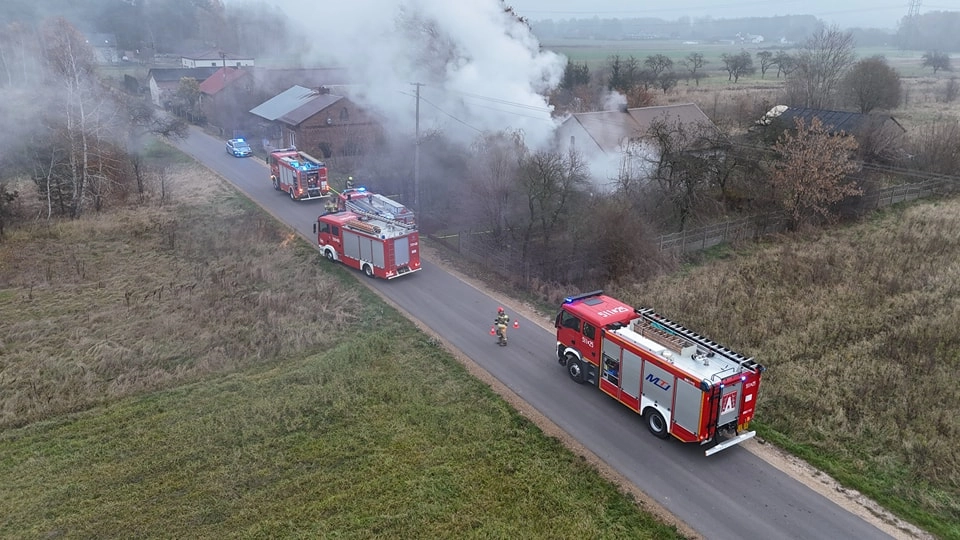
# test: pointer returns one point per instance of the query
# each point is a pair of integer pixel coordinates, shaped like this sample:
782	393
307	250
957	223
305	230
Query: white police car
239	148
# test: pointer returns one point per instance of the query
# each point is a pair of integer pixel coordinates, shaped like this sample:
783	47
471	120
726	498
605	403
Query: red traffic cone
516	324
493	331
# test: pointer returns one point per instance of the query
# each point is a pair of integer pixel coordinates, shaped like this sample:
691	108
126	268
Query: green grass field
196	371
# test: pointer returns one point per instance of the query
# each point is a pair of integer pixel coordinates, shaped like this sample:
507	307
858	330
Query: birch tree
70	60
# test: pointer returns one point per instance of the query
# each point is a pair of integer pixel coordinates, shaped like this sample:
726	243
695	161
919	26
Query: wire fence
508	260
742	229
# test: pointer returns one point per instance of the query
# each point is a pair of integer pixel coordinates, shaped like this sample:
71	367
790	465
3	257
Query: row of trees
822	73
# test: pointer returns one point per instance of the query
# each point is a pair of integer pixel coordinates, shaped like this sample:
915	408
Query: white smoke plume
481	68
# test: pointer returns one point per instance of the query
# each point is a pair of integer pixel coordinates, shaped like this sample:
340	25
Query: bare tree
694	63
682	162
785	63
658	63
933	148
492	171
548	181
871	84
70	59
667	81
737	65
766	62
936	60
820	65
811	172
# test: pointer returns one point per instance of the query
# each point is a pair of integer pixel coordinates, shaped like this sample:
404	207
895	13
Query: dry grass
108	306
261	411
860	330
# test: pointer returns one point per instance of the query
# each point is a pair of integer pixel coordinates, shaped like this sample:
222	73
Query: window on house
213	64
344	114
292	137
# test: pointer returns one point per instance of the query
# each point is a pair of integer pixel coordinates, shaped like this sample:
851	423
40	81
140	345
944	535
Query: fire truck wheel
292	196
328	254
575	369
368	270
656	424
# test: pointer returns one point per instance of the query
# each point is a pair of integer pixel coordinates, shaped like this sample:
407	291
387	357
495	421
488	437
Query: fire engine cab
680	382
299	174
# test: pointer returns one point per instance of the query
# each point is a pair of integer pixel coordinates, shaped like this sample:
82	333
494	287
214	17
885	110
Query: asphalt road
730	495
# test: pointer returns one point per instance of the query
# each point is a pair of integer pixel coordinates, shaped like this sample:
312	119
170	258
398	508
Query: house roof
175	74
294	105
220	79
276	80
308	109
214	54
609	128
835	121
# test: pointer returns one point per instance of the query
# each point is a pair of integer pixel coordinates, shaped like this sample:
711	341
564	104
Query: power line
425	100
499	100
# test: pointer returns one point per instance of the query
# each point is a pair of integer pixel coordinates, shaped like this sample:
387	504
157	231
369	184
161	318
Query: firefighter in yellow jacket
501	323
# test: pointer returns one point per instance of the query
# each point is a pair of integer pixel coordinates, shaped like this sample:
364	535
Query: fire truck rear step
730	442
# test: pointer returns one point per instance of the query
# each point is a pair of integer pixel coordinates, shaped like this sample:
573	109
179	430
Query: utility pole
914	8
416	156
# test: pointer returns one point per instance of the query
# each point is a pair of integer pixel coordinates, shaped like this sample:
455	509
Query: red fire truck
682	383
299	174
377	245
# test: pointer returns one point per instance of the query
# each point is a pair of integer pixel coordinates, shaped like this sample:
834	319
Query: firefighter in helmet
501	323
330	206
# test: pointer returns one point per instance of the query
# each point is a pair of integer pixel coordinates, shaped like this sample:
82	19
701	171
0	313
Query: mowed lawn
195	370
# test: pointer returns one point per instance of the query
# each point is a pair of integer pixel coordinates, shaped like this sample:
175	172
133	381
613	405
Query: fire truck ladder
363	226
360	211
656	320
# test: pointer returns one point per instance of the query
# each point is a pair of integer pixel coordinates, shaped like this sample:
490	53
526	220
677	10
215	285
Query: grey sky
846	13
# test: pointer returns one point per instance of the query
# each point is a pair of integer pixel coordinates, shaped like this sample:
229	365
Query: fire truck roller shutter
401	251
689	400
630	367
351	244
377	256
366	249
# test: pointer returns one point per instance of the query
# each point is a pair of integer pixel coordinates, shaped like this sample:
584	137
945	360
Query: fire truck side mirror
314	228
